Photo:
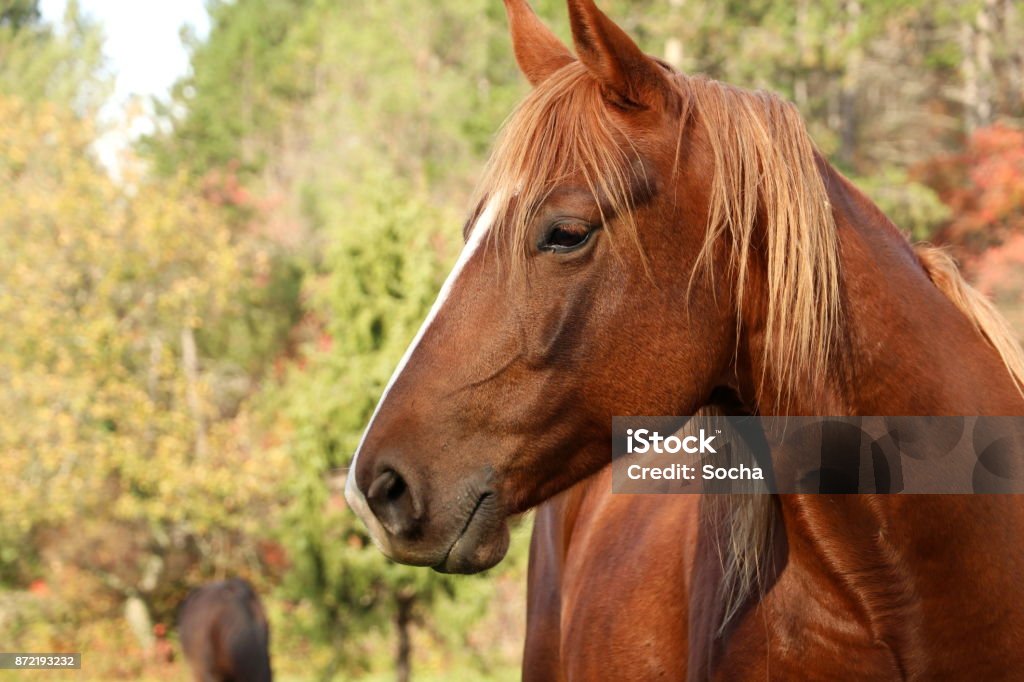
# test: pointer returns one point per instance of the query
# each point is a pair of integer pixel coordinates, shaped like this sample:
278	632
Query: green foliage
247	78
109	425
364	303
40	64
18	13
914	207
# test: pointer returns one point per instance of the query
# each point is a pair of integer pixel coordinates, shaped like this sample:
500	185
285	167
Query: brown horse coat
860	586
603	604
224	633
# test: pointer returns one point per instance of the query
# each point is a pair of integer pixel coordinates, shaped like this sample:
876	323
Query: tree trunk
801	67
1013	44
848	87
190	363
139	621
976	44
674	44
404	603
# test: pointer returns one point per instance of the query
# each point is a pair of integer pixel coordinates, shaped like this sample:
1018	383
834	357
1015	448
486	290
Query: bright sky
142	47
142	39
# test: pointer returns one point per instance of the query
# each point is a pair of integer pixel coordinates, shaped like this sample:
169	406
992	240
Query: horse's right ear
629	78
538	51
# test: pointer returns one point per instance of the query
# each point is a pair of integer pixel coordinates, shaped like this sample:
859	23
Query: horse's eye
566	236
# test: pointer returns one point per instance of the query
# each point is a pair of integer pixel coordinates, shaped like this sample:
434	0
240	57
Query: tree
17	13
983	187
130	481
365	301
40	64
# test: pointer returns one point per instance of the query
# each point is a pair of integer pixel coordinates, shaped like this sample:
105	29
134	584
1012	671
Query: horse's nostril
393	503
384	484
397	488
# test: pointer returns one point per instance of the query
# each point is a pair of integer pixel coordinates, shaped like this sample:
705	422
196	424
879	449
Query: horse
224	633
648	242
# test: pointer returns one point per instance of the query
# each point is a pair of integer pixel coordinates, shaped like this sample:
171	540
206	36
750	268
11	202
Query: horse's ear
539	52
630	78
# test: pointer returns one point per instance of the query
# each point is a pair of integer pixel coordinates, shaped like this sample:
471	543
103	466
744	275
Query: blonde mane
987	320
767	196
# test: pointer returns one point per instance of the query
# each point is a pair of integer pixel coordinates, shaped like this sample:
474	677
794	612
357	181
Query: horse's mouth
483	541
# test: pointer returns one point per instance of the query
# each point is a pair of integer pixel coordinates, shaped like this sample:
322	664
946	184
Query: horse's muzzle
411	524
483	541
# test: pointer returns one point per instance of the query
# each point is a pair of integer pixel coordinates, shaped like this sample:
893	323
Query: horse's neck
906	347
910	352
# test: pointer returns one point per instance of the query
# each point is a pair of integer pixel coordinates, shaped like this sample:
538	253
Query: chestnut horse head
641	239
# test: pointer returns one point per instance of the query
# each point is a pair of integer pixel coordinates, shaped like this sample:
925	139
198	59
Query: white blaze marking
354	496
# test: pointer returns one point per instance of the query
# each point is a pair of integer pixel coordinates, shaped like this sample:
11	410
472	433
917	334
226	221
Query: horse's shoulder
614	545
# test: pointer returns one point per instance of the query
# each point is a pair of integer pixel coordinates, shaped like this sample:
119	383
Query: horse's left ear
630	78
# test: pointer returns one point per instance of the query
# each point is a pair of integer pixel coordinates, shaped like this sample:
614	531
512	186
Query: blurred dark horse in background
650	243
224	633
